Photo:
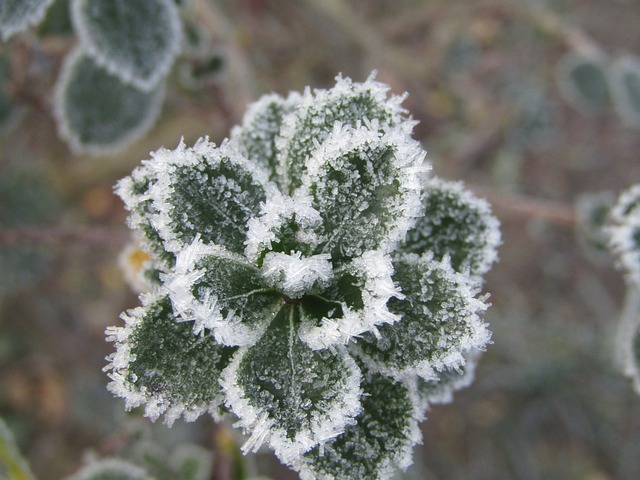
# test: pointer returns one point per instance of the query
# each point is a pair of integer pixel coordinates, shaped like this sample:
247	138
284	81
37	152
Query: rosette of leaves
311	281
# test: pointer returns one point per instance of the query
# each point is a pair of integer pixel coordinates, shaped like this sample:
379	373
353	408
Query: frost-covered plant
310	279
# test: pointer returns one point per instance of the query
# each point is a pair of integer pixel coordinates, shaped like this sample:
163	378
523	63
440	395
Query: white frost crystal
308	280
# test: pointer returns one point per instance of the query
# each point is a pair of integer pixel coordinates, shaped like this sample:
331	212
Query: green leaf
17	15
205	192
455	224
11	461
366	189
135	41
134	191
347	103
111	469
379	443
256	137
625	89
439	323
97	113
160	363
583	82
221	292
289	395
354	302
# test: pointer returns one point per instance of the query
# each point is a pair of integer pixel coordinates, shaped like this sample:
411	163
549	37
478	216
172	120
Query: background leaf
17	15
111	469
625	89
583	81
98	113
136	41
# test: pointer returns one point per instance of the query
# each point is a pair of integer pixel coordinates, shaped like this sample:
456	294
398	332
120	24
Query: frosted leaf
161	364
380	442
365	186
353	303
347	103
223	293
288	395
624	232
97	113
134	192
440	321
625	89
204	191
455	224
582	79
111	469
135	41
17	15
294	275
285	224
449	380
256	137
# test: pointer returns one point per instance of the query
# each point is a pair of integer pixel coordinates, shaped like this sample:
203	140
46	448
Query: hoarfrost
285	224
313	120
206	191
366	186
161	364
256	137
380	441
369	278
221	292
288	395
302	283
456	224
440	321
295	275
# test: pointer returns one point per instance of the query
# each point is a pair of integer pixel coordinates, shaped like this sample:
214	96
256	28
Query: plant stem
56	234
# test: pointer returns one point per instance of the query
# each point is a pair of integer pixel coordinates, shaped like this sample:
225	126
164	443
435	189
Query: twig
57	234
242	84
552	212
553	24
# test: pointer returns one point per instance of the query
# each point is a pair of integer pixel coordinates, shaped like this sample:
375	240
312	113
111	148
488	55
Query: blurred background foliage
521	99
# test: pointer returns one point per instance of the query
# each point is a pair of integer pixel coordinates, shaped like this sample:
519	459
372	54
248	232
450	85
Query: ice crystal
309	281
